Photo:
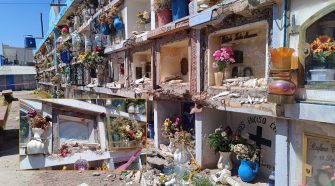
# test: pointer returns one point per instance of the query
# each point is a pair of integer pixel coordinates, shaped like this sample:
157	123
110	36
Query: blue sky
18	20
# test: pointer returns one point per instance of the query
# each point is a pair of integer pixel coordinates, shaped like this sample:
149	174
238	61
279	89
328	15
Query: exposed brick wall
193	74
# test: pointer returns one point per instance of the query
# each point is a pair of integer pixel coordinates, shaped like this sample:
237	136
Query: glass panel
71	132
24	127
321	157
320	61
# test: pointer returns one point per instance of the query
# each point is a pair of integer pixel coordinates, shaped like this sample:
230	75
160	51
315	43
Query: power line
13	3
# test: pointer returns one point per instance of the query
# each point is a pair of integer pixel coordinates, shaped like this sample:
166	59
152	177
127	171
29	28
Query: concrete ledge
311	112
321	95
39	161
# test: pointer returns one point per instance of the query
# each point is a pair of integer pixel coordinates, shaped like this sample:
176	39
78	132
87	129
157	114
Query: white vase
225	161
36	146
171	146
131	108
181	155
218	77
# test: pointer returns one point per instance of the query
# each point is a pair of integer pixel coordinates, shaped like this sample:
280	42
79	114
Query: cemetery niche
59	134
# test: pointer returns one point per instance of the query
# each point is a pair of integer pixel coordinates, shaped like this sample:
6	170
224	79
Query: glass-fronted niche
318	160
320	56
125	133
127	125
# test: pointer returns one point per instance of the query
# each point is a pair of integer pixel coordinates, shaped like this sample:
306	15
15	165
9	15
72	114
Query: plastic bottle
272	179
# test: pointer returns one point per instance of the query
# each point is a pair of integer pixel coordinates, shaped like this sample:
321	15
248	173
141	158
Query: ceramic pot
179	9
248	170
218	77
164	17
36	146
322	74
281	58
225	161
282	87
181	155
171	146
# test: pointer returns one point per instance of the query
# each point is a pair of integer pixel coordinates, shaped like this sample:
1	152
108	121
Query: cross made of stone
259	139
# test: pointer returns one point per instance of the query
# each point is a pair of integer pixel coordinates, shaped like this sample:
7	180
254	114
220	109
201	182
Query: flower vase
100	74
171	146
281	58
181	155
227	73
36	146
225	161
164	16
218	77
248	170
87	76
131	108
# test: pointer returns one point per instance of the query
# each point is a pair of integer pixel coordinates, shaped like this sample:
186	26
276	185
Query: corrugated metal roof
17	70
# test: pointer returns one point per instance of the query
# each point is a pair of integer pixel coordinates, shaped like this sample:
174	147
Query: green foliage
220	141
201	181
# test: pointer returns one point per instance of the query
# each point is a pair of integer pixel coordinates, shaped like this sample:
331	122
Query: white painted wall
132	8
170	58
210	119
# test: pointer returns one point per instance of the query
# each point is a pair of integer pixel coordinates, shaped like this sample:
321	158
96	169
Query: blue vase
118	25
179	9
248	170
152	131
65	56
105	29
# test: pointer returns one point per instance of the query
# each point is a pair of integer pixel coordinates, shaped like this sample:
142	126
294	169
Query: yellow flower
146	15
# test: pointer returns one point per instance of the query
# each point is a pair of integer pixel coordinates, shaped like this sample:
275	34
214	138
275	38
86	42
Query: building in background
17	56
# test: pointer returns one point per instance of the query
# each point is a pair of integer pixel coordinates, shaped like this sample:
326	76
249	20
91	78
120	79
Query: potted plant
323	53
144	18
163	11
183	140
222	58
170	127
221	141
38	125
249	155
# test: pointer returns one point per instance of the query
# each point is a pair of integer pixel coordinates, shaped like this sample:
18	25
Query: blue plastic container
179	9
30	42
118	25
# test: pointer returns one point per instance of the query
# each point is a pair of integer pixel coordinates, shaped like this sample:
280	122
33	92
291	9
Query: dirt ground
9	160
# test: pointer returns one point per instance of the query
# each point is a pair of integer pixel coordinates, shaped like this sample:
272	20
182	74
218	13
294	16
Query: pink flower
217	58
228	50
225	55
232	60
217	53
215	65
